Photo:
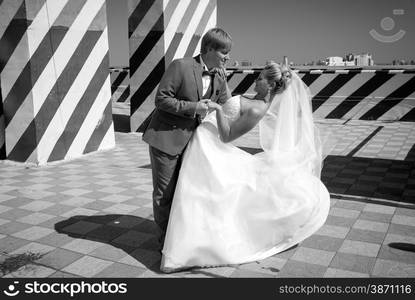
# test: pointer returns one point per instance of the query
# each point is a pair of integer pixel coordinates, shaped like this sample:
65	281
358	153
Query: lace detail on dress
232	108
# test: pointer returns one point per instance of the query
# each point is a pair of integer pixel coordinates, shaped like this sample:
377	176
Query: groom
180	104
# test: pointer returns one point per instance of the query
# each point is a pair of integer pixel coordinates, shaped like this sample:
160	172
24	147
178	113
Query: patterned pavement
92	217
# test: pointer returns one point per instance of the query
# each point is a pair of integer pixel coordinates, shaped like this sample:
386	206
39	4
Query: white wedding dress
231	207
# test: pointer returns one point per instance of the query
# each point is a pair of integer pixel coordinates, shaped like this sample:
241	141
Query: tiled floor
92	217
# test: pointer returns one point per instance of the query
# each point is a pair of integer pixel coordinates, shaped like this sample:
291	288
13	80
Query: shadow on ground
134	235
403	246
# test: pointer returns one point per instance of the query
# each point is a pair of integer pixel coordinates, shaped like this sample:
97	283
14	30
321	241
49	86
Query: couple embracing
214	203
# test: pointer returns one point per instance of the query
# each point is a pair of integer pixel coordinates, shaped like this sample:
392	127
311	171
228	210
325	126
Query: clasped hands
220	71
205	106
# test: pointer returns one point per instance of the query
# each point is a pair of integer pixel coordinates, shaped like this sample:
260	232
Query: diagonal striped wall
160	31
54	77
120	89
360	94
120	85
2	132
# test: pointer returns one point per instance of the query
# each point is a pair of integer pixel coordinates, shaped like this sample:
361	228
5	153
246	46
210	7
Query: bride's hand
213	106
220	71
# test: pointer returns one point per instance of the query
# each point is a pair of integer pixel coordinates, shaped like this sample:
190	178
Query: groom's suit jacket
173	121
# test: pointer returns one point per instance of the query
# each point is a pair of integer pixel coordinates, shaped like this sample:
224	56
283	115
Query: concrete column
55	80
160	31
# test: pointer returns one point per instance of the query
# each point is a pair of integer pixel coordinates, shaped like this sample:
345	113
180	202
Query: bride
231	207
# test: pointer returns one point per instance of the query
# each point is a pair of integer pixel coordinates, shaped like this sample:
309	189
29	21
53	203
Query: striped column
2	132
54	77
160	31
361	94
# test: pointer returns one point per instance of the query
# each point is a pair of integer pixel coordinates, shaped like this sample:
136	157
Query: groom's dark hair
217	39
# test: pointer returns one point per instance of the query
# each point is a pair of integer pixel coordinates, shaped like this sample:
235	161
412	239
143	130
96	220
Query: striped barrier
2	132
120	85
54	79
360	94
120	90
160	31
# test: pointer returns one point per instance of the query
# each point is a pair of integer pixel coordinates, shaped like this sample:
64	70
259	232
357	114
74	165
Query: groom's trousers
165	171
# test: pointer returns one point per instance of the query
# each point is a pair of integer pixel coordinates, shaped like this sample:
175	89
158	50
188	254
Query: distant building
321	62
349	57
334	61
246	63
403	62
285	61
362	60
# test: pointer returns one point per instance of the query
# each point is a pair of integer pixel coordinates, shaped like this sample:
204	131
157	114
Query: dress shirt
206	79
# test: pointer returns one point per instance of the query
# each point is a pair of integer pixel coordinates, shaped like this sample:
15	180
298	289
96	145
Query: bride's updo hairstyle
281	75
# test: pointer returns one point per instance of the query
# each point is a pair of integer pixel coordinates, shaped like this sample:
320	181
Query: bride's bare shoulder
246	103
251	107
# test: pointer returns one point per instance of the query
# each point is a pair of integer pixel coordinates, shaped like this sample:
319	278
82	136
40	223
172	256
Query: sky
302	30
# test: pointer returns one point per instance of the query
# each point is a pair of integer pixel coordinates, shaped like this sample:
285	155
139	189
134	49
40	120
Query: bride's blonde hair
281	75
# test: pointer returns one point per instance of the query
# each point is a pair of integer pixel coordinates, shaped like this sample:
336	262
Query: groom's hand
213	106
202	107
220	71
